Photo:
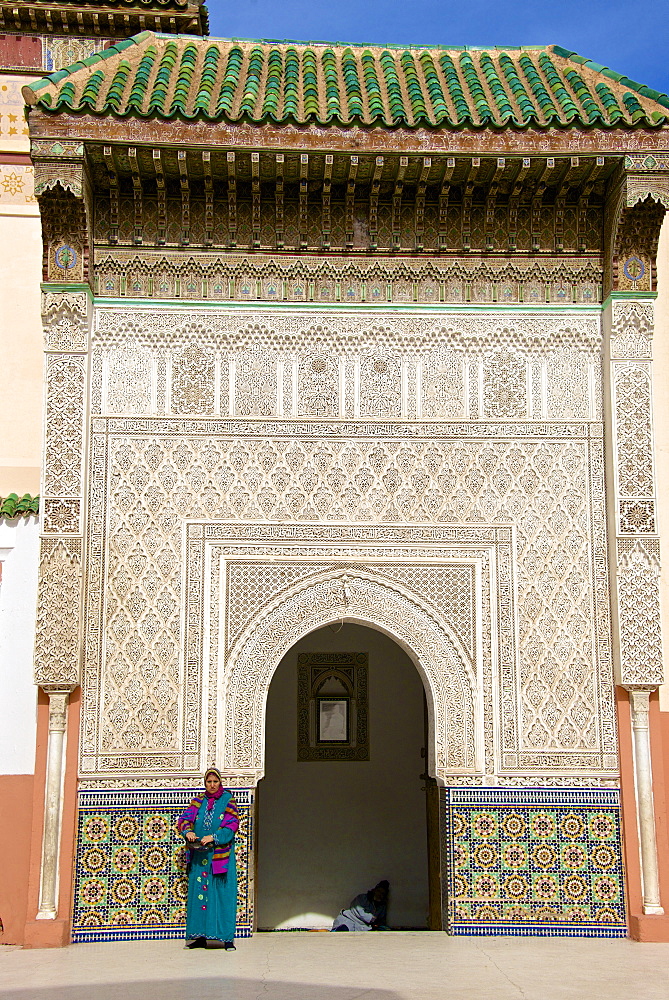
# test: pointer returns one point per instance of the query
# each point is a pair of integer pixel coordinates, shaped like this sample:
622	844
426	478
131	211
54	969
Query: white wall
19	554
329	830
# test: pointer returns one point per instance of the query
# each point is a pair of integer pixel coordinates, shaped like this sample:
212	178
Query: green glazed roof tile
168	76
14	506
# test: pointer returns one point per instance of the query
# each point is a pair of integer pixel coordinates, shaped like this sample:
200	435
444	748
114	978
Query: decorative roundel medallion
66	257
634	269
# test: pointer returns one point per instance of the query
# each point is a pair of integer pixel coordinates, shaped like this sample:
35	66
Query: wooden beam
560	200
161	196
303	212
278	196
583	200
374	203
326	212
514	200
113	193
396	216
255	197
444	194
232	200
537	200
467	196
185	196
491	203
350	200
208	198
138	230
419	221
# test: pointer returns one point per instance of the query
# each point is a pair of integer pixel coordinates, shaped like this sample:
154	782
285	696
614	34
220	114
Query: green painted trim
441	307
651	296
54	286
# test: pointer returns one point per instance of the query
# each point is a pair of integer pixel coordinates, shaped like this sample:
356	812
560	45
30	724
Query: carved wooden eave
370	182
209	135
103	19
540	189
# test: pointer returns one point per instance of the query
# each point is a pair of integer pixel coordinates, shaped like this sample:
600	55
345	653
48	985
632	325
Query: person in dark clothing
367	912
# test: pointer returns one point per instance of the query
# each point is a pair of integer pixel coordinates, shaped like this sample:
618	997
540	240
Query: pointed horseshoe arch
449	676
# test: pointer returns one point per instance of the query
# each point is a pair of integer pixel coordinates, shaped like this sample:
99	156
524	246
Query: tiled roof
294	82
15	506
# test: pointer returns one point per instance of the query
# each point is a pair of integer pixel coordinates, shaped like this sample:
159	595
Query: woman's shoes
200	942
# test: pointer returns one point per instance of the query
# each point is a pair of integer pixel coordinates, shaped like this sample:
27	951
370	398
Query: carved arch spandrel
636	209
451	685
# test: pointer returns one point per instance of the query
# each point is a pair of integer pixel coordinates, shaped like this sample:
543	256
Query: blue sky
628	38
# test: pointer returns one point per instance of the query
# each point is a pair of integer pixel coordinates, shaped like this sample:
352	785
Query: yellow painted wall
20	349
20	320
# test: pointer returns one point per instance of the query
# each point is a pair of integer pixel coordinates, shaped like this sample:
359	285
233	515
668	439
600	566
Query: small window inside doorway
332	706
333	716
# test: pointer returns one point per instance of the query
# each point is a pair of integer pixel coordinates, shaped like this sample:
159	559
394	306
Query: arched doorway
336	815
452	679
364	596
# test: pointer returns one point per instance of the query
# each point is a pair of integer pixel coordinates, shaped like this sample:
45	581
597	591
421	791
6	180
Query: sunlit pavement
308	966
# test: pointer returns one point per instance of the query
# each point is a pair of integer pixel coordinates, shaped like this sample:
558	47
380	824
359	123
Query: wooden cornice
209	135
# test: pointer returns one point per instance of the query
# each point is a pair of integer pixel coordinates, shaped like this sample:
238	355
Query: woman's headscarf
217	794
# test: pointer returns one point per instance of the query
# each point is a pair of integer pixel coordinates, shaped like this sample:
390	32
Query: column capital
58	699
640	704
58	688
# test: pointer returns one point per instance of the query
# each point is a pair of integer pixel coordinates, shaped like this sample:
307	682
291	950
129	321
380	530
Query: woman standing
209	825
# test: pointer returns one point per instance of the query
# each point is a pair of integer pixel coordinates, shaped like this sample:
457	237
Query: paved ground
343	967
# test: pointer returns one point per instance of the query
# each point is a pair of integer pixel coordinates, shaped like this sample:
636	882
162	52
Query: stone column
643	779
635	211
61	188
53	798
636	556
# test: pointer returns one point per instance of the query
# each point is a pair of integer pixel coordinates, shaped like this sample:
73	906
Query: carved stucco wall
397	450
637	556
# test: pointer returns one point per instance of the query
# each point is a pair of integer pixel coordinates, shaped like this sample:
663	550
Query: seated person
367	912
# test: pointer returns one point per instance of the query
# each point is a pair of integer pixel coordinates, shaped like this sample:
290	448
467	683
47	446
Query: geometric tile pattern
533	862
130	878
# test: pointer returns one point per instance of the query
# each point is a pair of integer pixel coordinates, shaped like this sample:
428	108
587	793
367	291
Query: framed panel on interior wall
332	707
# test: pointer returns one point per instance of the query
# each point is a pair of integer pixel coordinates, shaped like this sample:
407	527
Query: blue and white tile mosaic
533	862
130	878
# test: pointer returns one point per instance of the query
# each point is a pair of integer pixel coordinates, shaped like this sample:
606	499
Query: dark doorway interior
328	830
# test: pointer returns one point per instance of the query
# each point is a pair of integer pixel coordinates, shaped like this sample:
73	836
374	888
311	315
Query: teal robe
211	911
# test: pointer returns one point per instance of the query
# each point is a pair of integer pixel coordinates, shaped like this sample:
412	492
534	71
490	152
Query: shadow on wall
213	988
